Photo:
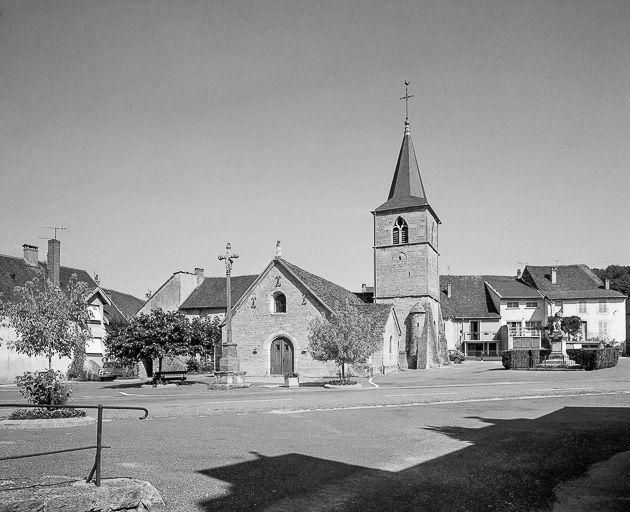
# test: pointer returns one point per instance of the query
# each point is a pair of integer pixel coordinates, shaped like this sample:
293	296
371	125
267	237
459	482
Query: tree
572	325
347	337
619	276
48	320
204	334
154	336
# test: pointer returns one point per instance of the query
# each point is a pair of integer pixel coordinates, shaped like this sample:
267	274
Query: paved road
467	437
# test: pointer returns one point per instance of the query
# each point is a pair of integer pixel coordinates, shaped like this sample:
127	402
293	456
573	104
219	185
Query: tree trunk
160	368
343	371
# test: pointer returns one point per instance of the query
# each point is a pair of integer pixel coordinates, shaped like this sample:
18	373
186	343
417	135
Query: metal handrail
96	468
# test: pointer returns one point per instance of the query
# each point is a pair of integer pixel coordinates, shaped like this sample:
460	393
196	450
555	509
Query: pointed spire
407	188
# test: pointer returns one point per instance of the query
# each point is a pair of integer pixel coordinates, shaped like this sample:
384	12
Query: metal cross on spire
407	97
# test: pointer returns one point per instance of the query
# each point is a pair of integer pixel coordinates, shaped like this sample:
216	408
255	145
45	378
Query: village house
485	315
105	306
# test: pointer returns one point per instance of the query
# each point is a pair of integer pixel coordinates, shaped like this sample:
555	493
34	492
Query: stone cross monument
229	374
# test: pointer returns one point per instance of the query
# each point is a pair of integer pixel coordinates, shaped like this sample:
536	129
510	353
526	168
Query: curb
48	423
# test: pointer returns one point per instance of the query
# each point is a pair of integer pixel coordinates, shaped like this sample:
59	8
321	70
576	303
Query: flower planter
292	382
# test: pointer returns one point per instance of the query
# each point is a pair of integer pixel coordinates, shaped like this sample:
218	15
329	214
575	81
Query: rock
116	494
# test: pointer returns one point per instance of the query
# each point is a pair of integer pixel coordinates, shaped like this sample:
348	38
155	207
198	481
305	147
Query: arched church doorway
281	356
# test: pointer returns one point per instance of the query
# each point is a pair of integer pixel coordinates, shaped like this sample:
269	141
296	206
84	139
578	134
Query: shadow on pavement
510	465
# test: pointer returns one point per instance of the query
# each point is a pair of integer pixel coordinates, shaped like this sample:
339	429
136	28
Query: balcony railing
480	336
525	332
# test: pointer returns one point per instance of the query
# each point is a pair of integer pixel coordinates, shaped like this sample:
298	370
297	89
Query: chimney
449	290
364	288
607	284
54	247
518	273
30	254
278	249
97	279
554	275
200	275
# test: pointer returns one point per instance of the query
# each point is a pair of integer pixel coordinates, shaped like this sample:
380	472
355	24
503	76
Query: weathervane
407	97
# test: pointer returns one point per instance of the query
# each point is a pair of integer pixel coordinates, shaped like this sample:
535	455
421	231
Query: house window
582	306
400	233
603	306
558	305
95	314
531	304
512	305
278	303
514	327
603	327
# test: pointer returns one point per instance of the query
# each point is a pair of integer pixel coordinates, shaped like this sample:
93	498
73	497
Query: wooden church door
281	356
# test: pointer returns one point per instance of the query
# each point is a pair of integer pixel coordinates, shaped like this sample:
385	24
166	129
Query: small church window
400	233
278	303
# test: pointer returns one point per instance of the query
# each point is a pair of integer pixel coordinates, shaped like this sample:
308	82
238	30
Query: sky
157	131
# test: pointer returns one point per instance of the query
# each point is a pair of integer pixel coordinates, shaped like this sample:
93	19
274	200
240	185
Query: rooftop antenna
449	270
55	228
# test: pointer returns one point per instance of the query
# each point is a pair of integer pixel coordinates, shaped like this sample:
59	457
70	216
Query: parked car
456	356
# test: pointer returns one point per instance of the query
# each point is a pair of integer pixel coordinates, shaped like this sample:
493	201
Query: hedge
594	358
512	359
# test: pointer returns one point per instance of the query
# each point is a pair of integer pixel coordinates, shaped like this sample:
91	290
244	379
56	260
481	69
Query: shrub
40	414
44	388
512	359
291	375
342	382
192	365
594	358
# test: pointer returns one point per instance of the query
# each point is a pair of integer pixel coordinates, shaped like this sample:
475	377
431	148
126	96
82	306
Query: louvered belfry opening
400	233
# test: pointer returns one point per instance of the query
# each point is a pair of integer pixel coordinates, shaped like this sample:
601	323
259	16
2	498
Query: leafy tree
48	320
204	334
347	337
154	336
619	276
572	325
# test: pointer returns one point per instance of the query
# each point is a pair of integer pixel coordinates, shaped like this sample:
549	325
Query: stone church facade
270	321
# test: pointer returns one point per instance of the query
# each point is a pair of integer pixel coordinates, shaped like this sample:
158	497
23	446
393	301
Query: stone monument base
229	380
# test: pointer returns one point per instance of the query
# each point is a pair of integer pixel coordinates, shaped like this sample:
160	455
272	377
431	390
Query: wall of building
523	313
255	326
13	364
615	315
406	269
172	294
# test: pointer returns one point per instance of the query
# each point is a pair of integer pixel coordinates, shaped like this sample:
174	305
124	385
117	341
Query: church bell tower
406	261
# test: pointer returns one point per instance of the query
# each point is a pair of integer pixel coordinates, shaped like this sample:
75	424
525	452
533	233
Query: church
270	318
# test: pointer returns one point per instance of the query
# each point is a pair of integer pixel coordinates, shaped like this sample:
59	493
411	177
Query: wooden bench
173	375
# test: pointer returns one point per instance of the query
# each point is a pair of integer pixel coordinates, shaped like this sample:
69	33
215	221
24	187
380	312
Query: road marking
372	382
422	394
442	402
252	400
468	385
560	389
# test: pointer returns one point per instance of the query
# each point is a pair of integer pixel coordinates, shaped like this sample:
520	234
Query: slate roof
14	271
508	287
469	297
378	312
212	292
407	190
123	307
572	282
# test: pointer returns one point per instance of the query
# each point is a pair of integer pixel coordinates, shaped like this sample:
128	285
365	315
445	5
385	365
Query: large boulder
114	494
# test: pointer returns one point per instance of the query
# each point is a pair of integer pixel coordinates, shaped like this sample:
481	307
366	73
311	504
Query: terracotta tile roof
123	307
511	288
469	297
212	292
572	282
15	272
